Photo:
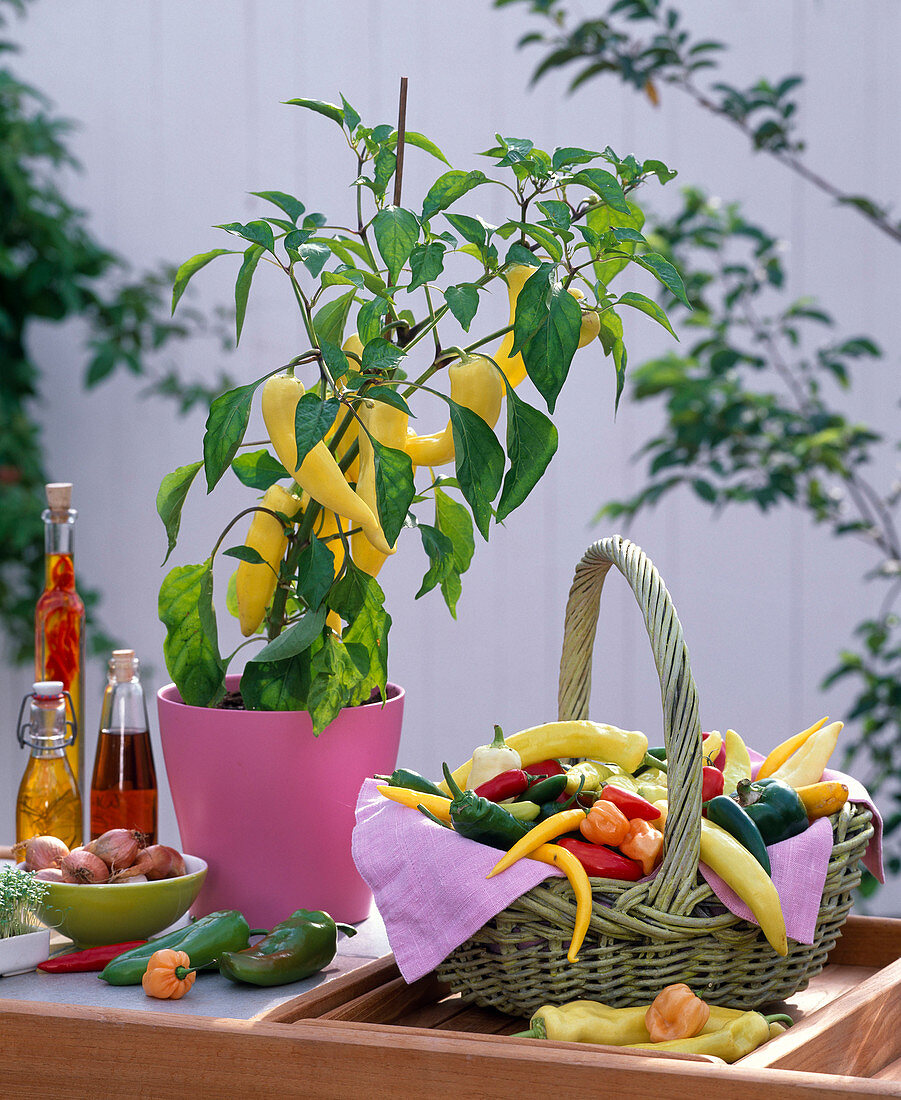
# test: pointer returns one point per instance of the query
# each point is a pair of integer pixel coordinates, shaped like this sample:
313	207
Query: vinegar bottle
59	614
48	803
123	786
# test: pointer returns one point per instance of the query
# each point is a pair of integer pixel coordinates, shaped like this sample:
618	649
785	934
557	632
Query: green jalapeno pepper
774	807
203	941
302	945
726	813
478	819
545	790
413	781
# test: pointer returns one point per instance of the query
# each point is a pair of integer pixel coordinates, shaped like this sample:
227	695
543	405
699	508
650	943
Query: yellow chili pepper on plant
388	426
319	474
255	581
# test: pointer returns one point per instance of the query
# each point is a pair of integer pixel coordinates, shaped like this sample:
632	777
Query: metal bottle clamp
23	728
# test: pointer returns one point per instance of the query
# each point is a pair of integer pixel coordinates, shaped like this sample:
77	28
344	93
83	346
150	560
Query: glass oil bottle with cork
48	802
59	614
123	786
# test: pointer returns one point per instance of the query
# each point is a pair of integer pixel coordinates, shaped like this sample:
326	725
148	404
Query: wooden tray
370	1033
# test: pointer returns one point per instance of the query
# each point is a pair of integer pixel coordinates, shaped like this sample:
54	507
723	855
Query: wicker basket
671	928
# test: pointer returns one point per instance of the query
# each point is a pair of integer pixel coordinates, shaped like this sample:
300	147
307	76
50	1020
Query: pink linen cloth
430	888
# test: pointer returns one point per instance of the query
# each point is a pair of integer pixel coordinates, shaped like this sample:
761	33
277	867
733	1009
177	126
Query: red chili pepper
506	785
632	805
92	958
712	782
602	862
545	768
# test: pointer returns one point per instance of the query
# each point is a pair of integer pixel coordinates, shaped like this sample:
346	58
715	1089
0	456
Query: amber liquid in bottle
59	615
123	786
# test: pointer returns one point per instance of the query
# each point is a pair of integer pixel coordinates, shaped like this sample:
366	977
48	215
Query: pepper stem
452	785
536	1031
181	972
347	929
498	742
779	1018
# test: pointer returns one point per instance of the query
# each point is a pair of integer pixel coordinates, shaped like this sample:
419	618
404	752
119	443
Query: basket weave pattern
673	928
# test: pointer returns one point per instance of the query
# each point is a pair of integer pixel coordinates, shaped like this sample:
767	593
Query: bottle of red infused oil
123	786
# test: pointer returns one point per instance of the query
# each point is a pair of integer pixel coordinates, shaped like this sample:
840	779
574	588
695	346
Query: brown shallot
49	874
165	862
117	848
40	852
82	866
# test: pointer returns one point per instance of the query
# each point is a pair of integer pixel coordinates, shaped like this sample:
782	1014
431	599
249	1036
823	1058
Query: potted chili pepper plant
389	308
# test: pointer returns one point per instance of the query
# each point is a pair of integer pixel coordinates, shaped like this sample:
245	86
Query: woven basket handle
675	880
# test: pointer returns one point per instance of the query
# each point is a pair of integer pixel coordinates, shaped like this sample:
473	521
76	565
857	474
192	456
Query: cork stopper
123	665
59	496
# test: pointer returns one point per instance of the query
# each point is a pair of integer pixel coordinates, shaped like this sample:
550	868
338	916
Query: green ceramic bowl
93	915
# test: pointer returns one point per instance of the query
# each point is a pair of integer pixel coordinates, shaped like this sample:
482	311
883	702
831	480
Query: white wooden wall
181	117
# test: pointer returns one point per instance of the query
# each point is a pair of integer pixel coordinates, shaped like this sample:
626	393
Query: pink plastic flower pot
270	807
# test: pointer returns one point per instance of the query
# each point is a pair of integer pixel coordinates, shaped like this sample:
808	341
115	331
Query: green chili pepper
478	819
545	790
774	807
726	813
413	781
302	945
203	941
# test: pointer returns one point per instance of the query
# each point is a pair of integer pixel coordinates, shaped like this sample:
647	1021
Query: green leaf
258	469
225	428
334	359
191	647
396	232
440	551
601	219
351	593
390	396
563	157
556	212
463	302
604	184
369	630
531	306
543	236
314	257
611	329
190	268
426	263
351	117
704	490
171	498
294	639
394	488
471	229
385	164
369	320
619	361
321	108
242	286
329	321
312	419
294	208
334	678
245	553
411	137
531	444
454	521
276	685
663	270
648	306
380	354
445	191
315	571
480	462
548	353
257	232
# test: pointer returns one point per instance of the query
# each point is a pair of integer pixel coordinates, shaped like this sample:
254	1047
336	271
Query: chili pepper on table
509	784
478	819
823	799
676	1013
727	813
203	941
732	1041
774	807
545	831
88	960
783	751
577	739
735	865
632	805
406	777
602	862
302	945
806	764
487	762
168	975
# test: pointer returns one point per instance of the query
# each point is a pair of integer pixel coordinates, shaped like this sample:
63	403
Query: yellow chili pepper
576	738
555	825
440	807
782	752
711	745
732	1041
806	764
740	870
738	762
328	529
319	474
255	582
581	888
388	426
474	383
823	799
